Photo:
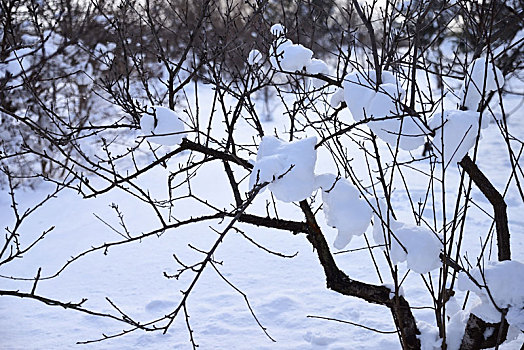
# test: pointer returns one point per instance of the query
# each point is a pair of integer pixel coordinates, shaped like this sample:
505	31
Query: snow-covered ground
282	291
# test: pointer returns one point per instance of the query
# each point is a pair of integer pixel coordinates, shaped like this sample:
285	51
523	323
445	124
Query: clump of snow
317	66
359	89
286	55
429	336
480	72
343	208
455	134
409	131
422	246
506	286
276	50
337	98
365	102
254	57
278	29
162	126
455	329
288	166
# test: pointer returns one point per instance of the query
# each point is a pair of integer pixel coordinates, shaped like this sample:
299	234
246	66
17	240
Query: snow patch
455	329
337	98
429	338
317	66
286	55
423	248
316	338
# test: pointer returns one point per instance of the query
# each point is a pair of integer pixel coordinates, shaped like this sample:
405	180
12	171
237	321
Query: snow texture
254	57
506	285
163	122
17	62
343	208
481	78
455	134
288	166
359	89
364	102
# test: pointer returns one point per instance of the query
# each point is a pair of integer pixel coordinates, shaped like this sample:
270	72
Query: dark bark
476	327
497	201
293	226
474	335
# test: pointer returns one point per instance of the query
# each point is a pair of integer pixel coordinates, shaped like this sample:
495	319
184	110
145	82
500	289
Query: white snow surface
165	123
505	281
343	208
288	166
482	77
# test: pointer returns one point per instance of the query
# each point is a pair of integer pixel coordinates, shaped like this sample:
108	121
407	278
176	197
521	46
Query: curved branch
341	283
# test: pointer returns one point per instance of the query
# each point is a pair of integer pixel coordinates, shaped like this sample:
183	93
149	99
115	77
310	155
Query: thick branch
476	327
341	283
293	226
474	335
496	200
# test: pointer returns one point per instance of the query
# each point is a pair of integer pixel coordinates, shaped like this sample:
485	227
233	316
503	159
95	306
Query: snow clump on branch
422	248
285	55
343	208
288	166
416	245
479	72
164	123
364	102
506	286
278	29
455	134
254	57
317	66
